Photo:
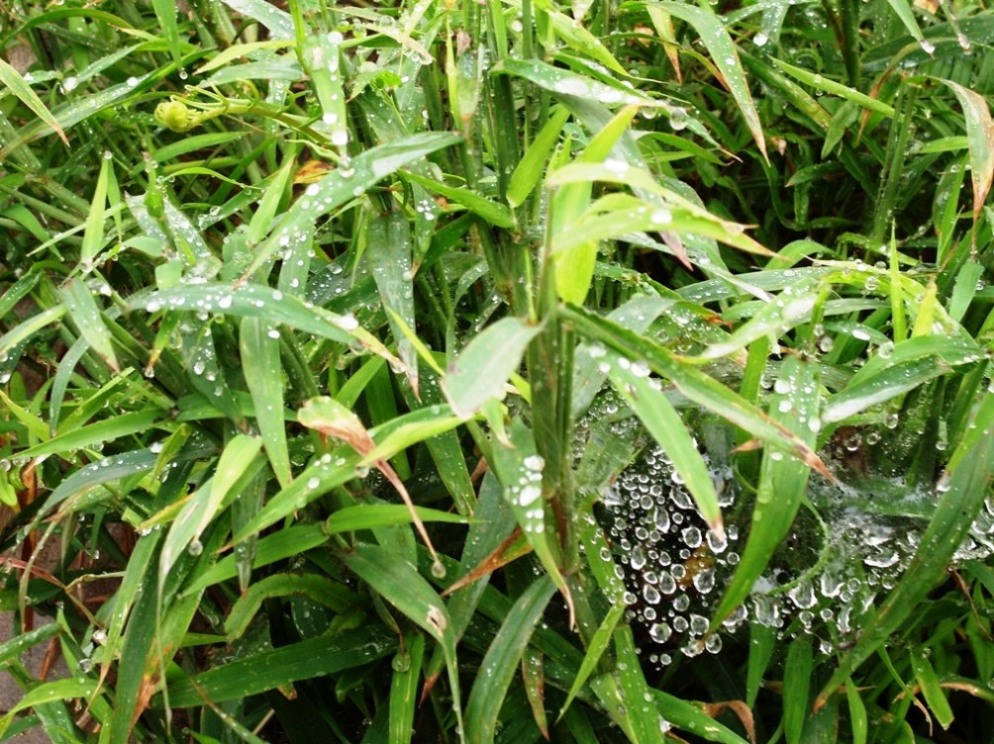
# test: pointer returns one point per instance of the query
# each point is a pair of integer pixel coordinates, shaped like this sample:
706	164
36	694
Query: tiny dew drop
438	570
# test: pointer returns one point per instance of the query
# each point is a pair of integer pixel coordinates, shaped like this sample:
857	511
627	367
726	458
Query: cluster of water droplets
838	562
671	565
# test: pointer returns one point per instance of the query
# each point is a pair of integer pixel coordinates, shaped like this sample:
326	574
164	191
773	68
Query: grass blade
501	661
725	56
260	347
19	87
782	481
645	397
405	589
85	313
344	184
269	670
980	135
482	369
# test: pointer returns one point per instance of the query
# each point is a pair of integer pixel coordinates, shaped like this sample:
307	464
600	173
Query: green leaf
93	236
404	688
836	89
264	303
980	134
389	257
260	354
267	670
19	87
500	663
403	587
344	184
374	516
529	170
797	684
117	427
928	683
319	589
278	546
491	212
645	397
57	690
482	369
598	644
237	459
696	385
85	313
857	713
782	480
563	82
725	56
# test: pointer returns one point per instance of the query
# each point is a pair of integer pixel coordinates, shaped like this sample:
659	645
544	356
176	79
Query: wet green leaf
480	372
501	661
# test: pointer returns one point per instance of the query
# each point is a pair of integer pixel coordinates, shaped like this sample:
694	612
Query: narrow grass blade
692	717
374	516
260	354
93	235
962	495
693	383
645	397
85	313
344	184
389	256
533	680
482	369
836	89
269	670
857	714
782	480
56	690
564	82
404	688
165	11
774	319
500	663
762	642
492	212
935	696
903	10
796	685
520	470
320	55
237	460
257	301
17	645
643	722
331	419
105	430
404	588
910	364
319	589
598	644
19	87
529	170
980	135
321	477
725	56
286	543
574	261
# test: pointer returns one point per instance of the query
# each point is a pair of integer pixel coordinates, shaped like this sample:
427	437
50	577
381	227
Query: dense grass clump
497	371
